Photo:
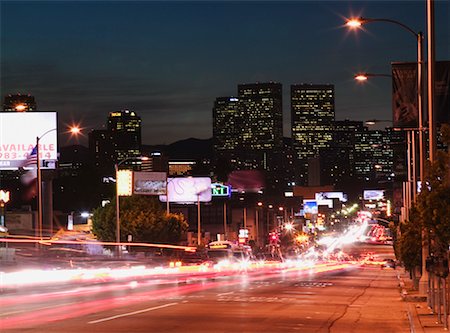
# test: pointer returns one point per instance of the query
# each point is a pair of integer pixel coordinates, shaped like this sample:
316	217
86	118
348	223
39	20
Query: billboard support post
118	194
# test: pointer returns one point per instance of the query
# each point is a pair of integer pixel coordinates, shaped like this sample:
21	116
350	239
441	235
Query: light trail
218	279
48	242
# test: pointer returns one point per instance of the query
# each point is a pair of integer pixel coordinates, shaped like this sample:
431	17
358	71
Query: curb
415	325
413	317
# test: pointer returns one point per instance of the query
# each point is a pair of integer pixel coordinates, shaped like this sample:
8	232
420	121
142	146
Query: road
327	298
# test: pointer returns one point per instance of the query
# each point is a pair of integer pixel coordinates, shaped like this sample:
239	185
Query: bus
226	250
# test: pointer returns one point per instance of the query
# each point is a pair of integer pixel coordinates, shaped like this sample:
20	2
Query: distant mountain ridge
188	149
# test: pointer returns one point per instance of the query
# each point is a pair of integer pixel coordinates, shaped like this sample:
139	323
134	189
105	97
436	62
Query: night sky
168	61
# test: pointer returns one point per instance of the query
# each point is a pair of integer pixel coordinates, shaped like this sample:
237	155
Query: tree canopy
431	211
141	217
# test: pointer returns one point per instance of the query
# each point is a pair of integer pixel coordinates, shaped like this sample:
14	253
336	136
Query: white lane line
132	313
229	293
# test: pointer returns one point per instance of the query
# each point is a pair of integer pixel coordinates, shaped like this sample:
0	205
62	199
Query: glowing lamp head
289	226
354	23
20	107
361	77
75	130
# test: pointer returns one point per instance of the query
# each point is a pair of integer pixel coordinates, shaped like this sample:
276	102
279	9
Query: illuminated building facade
101	150
19	103
248	130
227	120
262	116
374	156
124	128
312	117
338	160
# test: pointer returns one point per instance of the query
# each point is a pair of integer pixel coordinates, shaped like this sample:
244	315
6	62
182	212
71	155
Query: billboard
310	207
249	181
373	194
442	92
18	136
188	189
149	183
331	195
404	95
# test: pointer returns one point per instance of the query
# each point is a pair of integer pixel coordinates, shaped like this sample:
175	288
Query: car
389	263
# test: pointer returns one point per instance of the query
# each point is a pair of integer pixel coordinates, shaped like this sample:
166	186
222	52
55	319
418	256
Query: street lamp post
39	182
116	168
355	23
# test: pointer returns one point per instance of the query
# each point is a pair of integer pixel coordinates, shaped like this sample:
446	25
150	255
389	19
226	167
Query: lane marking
229	293
131	313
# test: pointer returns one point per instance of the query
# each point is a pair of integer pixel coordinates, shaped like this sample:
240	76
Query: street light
116	168
357	23
39	181
361	77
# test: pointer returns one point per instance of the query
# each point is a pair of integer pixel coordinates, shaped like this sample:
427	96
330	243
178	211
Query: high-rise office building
312	116
262	116
374	156
227	126
101	149
19	103
248	130
124	128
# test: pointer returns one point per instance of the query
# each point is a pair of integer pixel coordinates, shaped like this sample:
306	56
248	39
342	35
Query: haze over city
168	61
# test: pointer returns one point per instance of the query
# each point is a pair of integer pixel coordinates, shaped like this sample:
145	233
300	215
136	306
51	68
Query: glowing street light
75	130
356	23
353	23
362	77
289	226
20	107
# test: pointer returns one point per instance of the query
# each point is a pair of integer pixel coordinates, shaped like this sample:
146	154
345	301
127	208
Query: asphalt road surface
328	298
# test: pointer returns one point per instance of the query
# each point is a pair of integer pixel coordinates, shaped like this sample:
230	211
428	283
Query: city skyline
169	61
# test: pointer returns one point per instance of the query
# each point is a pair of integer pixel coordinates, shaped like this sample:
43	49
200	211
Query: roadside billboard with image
149	183
188	190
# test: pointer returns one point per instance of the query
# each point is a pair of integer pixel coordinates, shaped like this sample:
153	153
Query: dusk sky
168	61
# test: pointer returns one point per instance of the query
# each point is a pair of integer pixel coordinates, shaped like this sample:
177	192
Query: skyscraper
374	156
20	103
124	128
101	149
262	116
248	130
312	116
227	126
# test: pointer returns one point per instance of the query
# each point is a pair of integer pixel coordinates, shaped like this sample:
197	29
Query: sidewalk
421	317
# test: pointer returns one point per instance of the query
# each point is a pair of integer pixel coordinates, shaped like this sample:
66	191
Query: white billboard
18	136
373	194
188	189
149	183
331	195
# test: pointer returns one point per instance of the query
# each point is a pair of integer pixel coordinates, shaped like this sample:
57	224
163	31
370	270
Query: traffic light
273	236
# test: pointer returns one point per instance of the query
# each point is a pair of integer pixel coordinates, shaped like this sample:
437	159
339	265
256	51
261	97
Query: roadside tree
141	217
